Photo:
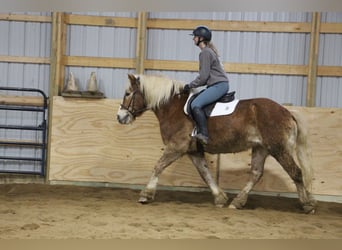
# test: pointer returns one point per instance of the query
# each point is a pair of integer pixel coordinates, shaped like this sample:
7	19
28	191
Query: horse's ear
134	80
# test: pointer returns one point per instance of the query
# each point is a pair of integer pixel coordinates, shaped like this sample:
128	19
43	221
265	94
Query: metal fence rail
40	128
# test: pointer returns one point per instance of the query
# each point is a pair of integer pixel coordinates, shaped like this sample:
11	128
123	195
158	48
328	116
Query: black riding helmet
202	31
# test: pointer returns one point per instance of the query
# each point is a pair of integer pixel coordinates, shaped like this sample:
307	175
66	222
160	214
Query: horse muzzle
124	117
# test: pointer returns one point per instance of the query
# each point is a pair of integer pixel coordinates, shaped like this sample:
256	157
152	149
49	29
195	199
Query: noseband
130	107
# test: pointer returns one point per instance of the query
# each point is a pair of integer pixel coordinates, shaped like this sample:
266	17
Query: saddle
229	97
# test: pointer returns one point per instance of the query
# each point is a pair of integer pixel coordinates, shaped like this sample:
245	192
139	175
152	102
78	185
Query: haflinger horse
260	124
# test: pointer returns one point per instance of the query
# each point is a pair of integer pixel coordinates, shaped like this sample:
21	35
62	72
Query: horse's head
133	103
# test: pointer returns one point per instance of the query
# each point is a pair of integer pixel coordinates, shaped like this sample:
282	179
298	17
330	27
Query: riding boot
201	123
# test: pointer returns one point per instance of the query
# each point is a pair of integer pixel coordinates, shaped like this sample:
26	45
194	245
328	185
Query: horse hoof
221	200
219	205
143	200
231	206
313	211
309	209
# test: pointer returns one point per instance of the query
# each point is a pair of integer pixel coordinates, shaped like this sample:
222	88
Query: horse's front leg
169	156
200	162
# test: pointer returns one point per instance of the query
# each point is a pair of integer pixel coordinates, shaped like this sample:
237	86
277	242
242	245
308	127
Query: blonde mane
158	90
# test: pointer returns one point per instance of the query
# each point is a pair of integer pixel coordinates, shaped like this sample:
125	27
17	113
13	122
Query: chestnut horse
260	124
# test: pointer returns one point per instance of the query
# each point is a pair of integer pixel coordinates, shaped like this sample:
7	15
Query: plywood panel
326	142
88	144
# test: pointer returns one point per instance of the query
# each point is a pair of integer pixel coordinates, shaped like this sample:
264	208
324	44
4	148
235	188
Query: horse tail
303	150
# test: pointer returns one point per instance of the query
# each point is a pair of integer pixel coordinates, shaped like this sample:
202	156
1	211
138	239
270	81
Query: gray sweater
210	69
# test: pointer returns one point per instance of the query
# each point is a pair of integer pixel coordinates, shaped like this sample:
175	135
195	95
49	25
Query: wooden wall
325	126
88	144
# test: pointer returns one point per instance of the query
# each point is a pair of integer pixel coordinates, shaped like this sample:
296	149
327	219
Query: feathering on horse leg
202	167
306	199
259	155
148	193
290	166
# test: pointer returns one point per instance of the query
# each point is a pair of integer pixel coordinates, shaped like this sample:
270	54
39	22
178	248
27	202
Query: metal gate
23	131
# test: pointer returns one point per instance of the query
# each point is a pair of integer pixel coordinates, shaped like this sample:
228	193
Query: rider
212	75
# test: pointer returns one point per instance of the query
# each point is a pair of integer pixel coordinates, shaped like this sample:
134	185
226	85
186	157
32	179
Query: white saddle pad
221	108
224	108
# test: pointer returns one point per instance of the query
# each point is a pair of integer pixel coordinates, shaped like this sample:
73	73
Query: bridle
130	108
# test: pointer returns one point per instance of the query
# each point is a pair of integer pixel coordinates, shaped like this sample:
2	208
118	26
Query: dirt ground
37	211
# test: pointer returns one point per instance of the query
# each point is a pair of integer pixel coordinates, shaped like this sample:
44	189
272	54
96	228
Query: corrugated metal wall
241	47
102	42
23	39
238	47
329	89
34	39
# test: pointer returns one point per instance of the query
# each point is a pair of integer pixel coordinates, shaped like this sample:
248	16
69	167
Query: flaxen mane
155	95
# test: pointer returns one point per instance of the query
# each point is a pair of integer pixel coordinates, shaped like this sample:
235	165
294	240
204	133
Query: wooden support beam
268	69
56	72
171	65
58	47
58	44
63	45
25	59
313	60
221	25
141	42
103	62
124	22
25	18
333	28
54	68
333	71
240	68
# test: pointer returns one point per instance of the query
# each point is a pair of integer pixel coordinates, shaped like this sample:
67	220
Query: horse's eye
127	94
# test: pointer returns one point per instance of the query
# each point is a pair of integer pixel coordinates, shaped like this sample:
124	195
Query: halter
130	108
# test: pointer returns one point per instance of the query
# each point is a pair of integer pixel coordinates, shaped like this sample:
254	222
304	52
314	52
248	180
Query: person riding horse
250	126
212	75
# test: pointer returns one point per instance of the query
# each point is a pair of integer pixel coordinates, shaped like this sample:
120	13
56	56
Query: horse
259	124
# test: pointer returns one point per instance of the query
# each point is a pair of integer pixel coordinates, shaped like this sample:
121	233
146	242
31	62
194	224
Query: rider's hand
186	89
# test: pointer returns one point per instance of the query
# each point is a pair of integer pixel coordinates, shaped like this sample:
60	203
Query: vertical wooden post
313	60
141	42
52	91
58	44
57	52
62	40
53	54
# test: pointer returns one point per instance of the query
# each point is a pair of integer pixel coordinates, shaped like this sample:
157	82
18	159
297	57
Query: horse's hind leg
287	162
202	168
259	155
148	193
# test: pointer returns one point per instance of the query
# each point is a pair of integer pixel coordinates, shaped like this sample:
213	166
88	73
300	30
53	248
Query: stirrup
203	139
